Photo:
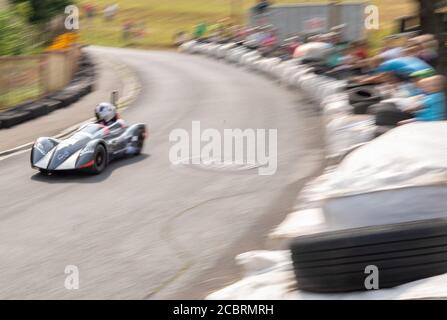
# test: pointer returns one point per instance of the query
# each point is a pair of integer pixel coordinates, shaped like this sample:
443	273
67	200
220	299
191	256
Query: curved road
145	228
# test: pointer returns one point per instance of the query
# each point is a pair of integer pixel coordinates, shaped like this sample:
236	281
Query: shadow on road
82	177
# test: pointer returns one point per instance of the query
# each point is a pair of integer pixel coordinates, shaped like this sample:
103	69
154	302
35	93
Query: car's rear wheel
100	160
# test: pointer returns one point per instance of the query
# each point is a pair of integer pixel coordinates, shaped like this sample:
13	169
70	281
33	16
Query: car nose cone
61	154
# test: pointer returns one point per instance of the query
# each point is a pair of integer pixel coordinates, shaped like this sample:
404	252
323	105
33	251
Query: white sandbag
211	49
276	282
299	223
255	262
314	50
279	69
224	49
230	53
296	78
288	73
335	109
341	96
316	93
334	87
273	62
399	177
246	56
260	66
347	132
386	207
272	282
203	48
251	62
308	81
214	50
188	46
408	156
236	54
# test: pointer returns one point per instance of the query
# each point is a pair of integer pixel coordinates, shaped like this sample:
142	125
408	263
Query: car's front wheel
44	172
138	143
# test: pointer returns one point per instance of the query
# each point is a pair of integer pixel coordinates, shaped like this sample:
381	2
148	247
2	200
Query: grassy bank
162	19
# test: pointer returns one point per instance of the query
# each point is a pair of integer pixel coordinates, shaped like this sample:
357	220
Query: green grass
19	95
164	18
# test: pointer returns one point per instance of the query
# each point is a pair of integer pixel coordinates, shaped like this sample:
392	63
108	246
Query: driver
107	115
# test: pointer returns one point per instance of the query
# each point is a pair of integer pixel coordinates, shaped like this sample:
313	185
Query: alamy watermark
372	280
72	17
72	278
254	147
372	17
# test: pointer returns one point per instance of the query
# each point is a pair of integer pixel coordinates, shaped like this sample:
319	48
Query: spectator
110	11
180	38
89	10
262	7
127	29
431	104
390	50
407	64
200	30
292	44
428	49
360	50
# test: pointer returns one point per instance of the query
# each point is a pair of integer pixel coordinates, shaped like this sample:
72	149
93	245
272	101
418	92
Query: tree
42	11
15	33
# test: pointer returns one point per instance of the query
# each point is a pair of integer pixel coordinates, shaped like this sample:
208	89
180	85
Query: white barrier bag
400	176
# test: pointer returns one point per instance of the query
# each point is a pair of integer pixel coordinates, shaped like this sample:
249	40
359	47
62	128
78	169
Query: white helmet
105	112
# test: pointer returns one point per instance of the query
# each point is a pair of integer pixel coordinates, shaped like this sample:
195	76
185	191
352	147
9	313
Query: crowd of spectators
403	69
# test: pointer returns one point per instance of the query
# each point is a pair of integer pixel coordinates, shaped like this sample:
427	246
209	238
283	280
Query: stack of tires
370	258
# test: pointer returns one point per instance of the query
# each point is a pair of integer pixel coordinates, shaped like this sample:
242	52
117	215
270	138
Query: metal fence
27	78
290	20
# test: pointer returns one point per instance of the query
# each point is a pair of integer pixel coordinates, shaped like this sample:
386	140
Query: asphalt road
147	229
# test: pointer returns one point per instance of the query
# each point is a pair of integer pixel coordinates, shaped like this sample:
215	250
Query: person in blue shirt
431	105
407	65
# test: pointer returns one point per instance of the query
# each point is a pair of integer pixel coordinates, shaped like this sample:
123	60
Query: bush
15	33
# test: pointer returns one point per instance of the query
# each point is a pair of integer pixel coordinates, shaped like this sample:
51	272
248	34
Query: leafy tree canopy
15	33
42	10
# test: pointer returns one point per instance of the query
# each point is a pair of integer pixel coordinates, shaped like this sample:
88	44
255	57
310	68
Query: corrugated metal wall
293	19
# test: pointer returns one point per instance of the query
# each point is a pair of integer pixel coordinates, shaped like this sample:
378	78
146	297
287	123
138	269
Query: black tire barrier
313	60
37	109
12	118
52	105
83	87
319	69
88	72
354	85
82	84
344	75
387	114
66	97
364	94
381	130
337	261
362	107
